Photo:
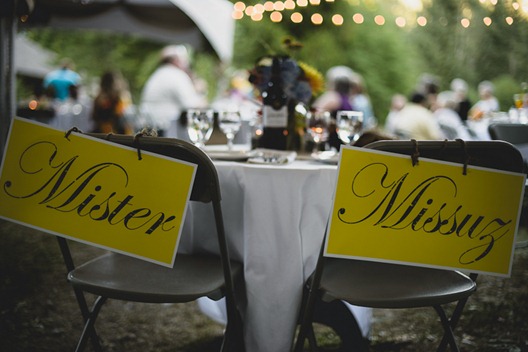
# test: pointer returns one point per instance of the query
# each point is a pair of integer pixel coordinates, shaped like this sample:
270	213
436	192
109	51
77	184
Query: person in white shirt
487	104
448	119
170	91
415	121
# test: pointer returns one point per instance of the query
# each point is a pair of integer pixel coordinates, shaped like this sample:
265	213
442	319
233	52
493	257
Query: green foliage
505	87
379	53
389	58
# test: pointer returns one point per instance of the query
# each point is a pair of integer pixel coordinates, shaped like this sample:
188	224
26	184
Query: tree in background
390	58
379	53
496	51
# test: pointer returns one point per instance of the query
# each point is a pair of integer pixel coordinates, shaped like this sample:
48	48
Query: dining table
275	214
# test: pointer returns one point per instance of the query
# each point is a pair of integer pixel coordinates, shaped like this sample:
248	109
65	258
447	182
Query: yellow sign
429	215
94	191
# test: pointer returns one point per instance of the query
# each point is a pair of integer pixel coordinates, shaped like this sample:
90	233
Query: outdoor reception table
275	216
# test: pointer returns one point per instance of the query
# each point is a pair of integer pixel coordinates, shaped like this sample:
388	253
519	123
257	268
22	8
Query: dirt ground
38	311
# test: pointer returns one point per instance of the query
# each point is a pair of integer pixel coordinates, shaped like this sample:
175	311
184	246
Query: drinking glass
229	122
200	125
318	127
518	100
349	125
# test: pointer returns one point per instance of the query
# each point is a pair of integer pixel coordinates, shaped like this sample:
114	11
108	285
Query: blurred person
60	82
463	104
361	101
110	104
448	119
416	121
487	102
398	102
429	86
169	92
338	94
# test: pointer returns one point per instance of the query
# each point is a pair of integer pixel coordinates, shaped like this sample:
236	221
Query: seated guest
448	119
415	121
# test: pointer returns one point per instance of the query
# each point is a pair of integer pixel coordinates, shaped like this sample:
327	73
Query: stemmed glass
200	125
318	127
349	125
229	123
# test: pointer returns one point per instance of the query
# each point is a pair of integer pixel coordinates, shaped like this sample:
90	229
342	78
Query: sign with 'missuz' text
95	191
430	215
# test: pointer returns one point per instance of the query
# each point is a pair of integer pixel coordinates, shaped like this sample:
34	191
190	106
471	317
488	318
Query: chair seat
382	285
123	277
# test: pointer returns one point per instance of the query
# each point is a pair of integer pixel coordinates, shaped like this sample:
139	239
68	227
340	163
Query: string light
276	7
302	3
317	19
289	4
337	19
358	18
296	17
400	21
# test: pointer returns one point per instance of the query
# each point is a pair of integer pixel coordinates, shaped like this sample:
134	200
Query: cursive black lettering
64	186
430	207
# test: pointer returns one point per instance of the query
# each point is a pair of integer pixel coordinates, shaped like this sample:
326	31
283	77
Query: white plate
271	156
220	152
235	155
327	157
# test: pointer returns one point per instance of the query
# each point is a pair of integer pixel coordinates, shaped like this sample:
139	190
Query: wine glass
349	125
518	100
200	125
229	122
318	127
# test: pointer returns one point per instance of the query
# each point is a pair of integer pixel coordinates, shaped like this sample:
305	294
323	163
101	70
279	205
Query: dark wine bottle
274	111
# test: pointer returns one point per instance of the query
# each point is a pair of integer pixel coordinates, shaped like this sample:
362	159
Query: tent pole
8	27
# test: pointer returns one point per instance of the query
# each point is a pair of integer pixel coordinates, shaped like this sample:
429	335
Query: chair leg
449	337
455	317
89	329
233	340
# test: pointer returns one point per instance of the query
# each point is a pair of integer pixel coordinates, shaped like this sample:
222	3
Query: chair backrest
510	132
205	188
491	154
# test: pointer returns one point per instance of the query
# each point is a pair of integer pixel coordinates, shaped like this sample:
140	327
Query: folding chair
116	276
514	133
391	286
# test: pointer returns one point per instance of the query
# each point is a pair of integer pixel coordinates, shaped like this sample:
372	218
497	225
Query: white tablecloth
274	218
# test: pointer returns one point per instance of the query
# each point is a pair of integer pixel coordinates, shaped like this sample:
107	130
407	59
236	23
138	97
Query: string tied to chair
137	136
466	155
73	129
416	153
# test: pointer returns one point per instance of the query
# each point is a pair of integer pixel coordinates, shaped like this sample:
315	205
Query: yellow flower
314	78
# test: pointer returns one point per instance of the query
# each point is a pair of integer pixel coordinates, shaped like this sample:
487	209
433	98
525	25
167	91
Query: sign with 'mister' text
385	209
95	191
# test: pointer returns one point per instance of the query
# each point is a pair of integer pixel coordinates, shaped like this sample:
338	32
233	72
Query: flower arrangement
300	81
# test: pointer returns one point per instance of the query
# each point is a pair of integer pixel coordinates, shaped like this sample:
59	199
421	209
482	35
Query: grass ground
38	311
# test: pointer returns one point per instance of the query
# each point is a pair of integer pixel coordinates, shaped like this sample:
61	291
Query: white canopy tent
199	23
31	59
202	24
